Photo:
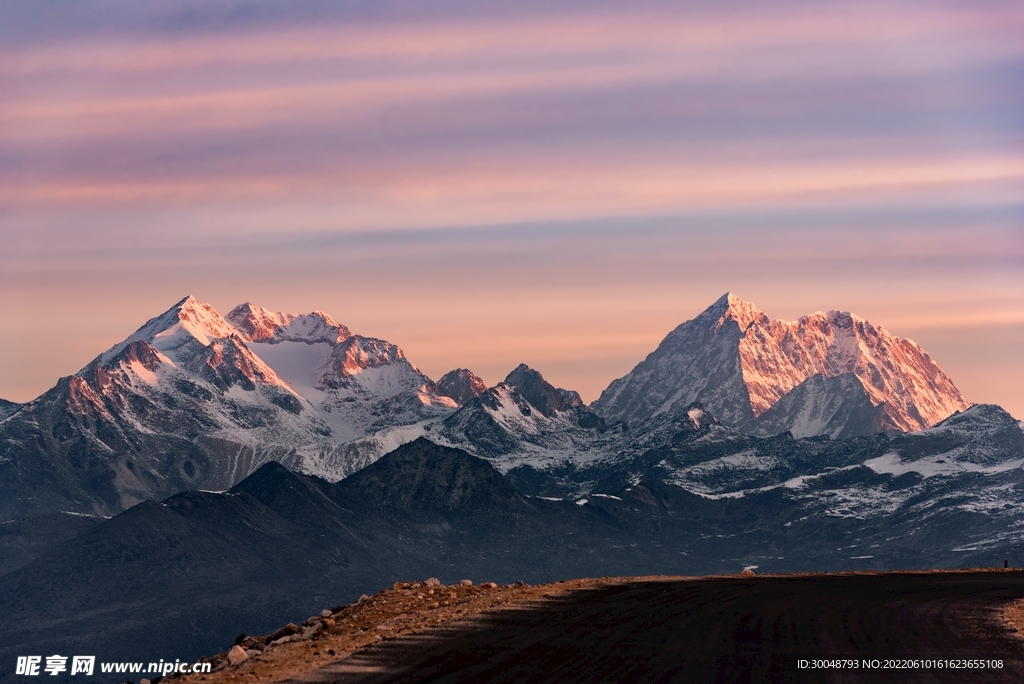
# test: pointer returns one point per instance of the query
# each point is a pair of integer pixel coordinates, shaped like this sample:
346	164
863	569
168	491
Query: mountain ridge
194	400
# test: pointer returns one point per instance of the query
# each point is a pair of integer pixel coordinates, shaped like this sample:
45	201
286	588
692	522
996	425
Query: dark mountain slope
181	578
25	539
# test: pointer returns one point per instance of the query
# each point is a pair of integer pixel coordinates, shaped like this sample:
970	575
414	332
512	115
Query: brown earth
1014	616
409	608
413	608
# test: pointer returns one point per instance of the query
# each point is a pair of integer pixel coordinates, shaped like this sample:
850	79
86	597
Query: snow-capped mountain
194	400
740	364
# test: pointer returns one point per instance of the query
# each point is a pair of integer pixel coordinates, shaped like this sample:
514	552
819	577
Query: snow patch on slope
938	465
297	363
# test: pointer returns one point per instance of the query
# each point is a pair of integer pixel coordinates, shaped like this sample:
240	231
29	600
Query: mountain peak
729	307
202	320
541	394
262	325
188	323
462	385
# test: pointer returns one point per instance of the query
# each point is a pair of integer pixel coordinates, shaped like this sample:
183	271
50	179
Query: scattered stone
362	598
433	582
325	613
237	654
252	642
378	618
312	620
287	630
747	572
466	583
520	583
144	681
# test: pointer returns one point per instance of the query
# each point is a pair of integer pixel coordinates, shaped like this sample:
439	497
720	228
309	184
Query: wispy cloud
567	161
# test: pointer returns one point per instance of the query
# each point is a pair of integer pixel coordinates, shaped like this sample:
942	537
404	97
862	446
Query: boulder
237	654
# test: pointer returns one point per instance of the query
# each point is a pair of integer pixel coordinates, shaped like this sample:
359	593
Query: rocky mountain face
836	406
525	420
193	400
739	363
462	385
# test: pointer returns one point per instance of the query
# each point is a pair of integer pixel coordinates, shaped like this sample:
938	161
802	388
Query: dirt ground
413	607
408	608
1014	616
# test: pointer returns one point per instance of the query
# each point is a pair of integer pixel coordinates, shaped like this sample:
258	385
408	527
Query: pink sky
485	186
